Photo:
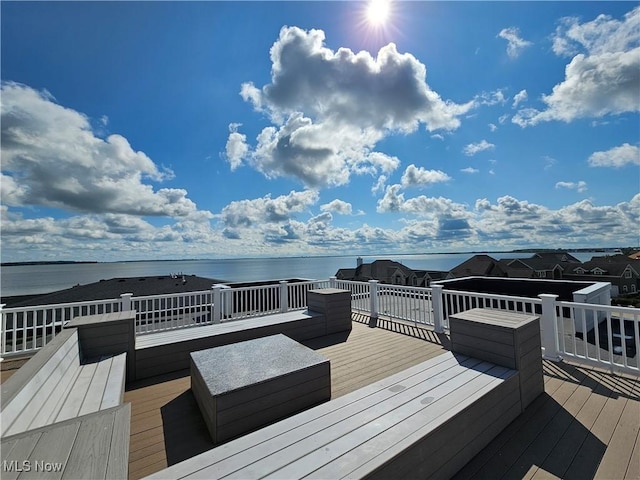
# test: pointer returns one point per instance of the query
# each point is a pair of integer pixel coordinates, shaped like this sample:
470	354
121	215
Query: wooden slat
53	446
90	454
114	388
73	403
184	334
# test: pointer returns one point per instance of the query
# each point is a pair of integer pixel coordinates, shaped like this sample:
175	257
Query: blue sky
158	130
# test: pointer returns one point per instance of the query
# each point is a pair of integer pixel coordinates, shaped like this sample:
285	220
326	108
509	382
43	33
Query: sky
162	130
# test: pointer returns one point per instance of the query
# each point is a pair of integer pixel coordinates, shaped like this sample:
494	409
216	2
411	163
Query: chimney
359	261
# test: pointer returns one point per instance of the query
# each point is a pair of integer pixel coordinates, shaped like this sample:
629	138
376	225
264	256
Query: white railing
599	334
297	293
405	303
454	301
360	294
25	329
155	313
252	301
586	332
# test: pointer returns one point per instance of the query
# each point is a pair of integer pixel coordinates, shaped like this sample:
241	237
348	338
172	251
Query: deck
586	425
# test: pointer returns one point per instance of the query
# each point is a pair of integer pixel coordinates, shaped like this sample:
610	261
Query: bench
58	384
89	446
168	351
427	421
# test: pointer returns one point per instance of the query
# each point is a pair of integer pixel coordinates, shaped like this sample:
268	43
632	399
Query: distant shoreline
517	250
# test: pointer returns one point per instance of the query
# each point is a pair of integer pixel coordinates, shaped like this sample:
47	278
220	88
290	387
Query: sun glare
378	12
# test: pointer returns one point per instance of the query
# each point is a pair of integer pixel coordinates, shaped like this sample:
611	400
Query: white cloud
601	79
337	206
330	108
51	157
473	148
515	44
380	185
580	186
616	157
491	98
236	148
493	127
417	176
247	213
469	170
520	97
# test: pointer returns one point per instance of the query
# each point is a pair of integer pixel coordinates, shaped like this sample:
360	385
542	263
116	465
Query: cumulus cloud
237	147
473	148
337	206
603	76
51	157
330	108
247	213
616	157
580	186
515	44
417	177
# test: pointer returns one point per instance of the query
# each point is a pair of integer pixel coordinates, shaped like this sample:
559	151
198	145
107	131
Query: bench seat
56	385
168	351
93	446
426	421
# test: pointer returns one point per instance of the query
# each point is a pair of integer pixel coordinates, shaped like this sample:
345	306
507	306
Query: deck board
592	407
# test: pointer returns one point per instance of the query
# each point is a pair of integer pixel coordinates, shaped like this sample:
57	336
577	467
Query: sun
378	12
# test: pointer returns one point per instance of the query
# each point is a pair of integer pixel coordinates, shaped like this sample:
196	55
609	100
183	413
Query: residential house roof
479	265
557	257
113	288
605	266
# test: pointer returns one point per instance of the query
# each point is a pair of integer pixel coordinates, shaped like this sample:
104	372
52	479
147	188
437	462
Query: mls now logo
29	466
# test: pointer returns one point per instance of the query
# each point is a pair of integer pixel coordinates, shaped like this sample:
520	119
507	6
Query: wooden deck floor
586	425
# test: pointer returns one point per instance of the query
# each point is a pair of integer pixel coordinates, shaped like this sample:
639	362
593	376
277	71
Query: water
33	279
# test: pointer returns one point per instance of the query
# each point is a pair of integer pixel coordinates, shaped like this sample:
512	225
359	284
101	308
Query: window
627	273
633	288
625	288
580	270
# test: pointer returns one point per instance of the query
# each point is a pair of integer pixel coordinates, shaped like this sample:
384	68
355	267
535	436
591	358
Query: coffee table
244	386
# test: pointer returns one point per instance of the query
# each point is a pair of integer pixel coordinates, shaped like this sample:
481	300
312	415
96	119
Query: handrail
570	329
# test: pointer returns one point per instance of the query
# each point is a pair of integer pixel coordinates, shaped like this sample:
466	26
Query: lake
32	279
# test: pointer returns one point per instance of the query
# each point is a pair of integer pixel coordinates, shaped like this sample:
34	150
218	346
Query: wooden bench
168	351
58	384
426	421
90	446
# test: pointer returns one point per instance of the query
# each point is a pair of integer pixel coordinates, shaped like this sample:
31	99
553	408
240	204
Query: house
391	272
622	272
534	267
546	265
478	266
557	257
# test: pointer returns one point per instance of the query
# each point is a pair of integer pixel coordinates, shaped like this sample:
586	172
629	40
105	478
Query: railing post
333	282
373	297
216	307
3	329
125	301
436	305
284	296
549	326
